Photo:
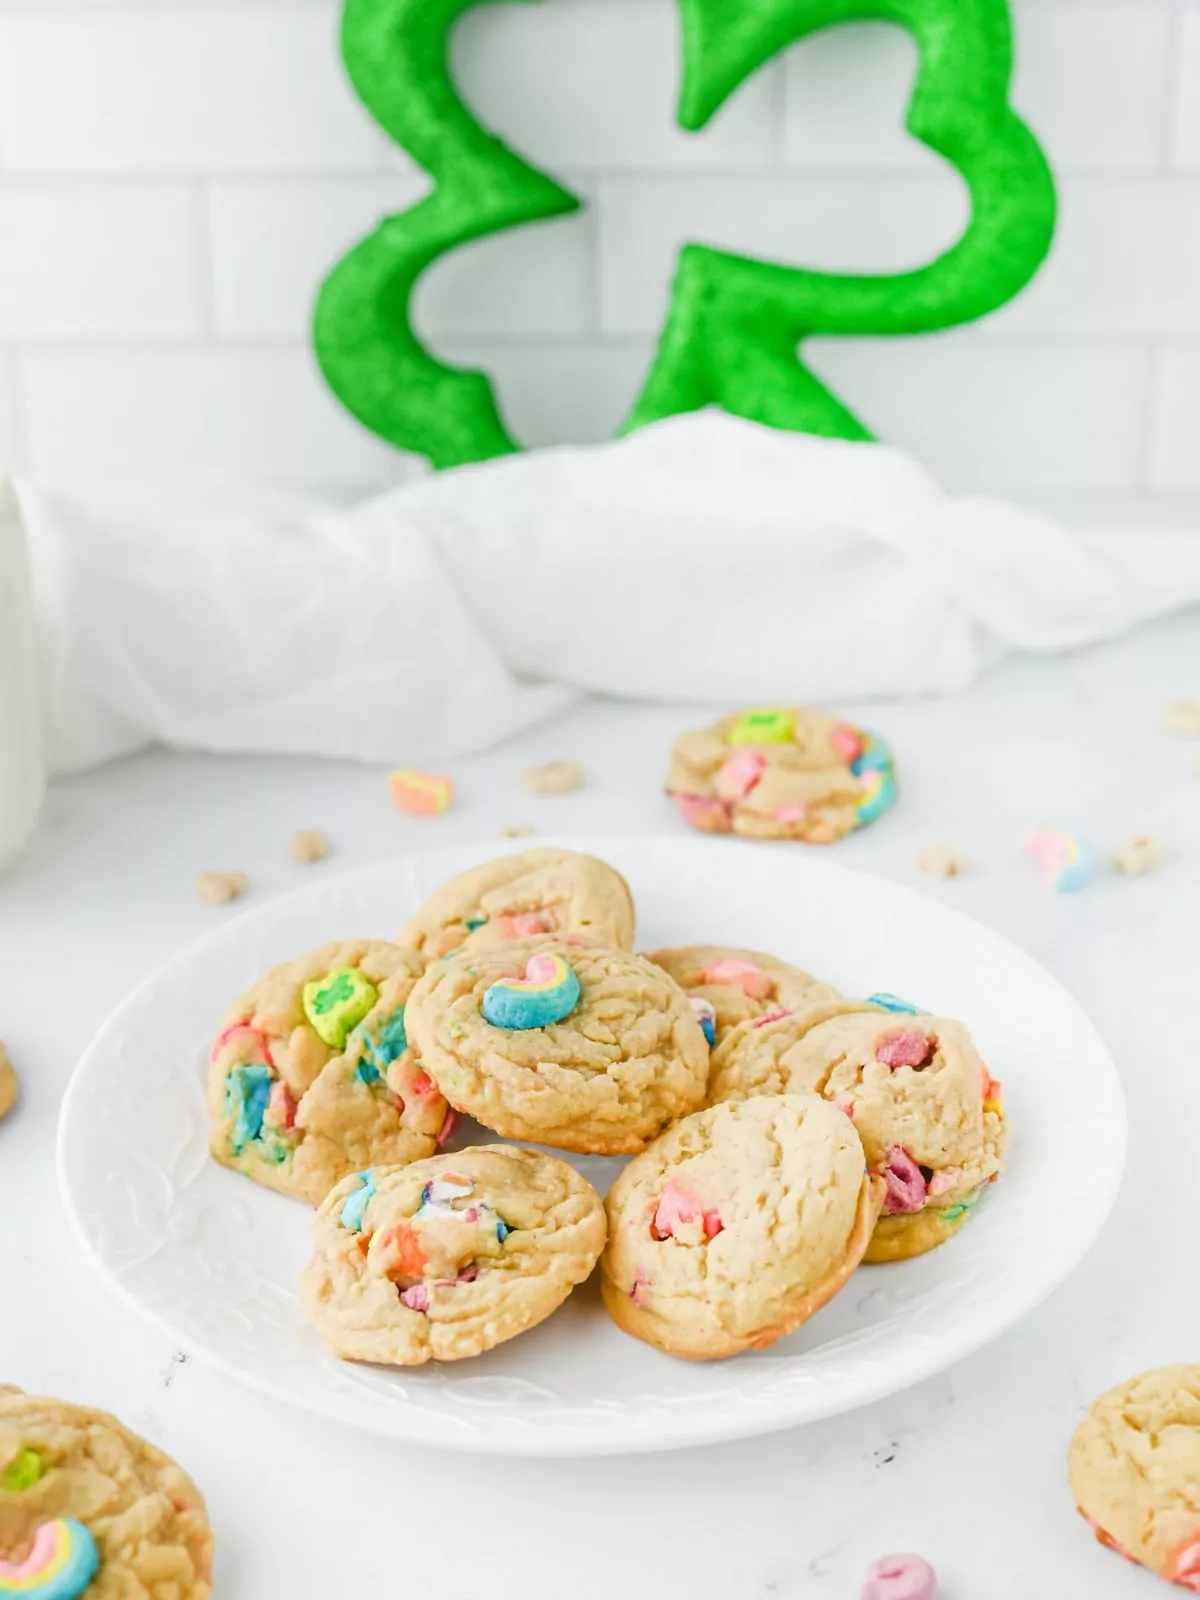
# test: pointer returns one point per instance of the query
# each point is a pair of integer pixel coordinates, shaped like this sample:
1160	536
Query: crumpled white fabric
703	559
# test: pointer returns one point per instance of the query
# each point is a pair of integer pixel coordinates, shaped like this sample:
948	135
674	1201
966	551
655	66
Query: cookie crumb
219	888
941	861
421	794
556	777
8	1083
1144	853
1182	718
516	830
308	846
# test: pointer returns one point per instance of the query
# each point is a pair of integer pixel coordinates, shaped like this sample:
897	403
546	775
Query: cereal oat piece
557	777
308	846
88	1508
219	888
1143	853
941	861
1181	717
8	1083
516	830
445	1258
737	1225
1134	1468
421	794
901	1578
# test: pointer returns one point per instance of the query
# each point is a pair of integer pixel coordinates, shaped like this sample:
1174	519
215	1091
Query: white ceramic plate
214	1259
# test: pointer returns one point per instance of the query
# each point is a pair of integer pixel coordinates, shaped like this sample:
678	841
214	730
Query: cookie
445	1258
740	986
88	1508
625	1060
737	1225
312	1076
1134	1466
929	1115
518	897
781	773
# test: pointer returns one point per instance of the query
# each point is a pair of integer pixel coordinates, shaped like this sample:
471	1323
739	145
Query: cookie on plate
574	1045
1134	1466
542	891
930	1116
784	772
311	1075
88	1508
737	1225
443	1259
729	986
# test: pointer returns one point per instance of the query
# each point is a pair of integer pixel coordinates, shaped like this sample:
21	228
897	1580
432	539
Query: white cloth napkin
703	559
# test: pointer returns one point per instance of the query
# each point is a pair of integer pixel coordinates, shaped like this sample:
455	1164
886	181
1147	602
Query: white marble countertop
967	1469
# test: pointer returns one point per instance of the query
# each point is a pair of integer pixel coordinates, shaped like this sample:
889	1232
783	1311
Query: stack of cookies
781	1132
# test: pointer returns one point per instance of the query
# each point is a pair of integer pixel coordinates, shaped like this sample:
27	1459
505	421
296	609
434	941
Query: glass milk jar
22	761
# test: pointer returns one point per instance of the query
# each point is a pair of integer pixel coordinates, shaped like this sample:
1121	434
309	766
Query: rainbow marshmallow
547	993
421	794
1066	862
61	1565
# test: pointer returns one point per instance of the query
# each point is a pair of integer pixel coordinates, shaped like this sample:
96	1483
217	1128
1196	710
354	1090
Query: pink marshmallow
907	1190
905	1049
847	742
739	774
901	1578
743	975
416	1297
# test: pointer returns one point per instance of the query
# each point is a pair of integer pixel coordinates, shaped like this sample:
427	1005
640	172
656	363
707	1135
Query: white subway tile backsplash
176	177
859	224
559	394
1185	142
998	417
595	84
196	416
187	90
1177	412
1126	261
100	261
1090	79
274	241
1093	83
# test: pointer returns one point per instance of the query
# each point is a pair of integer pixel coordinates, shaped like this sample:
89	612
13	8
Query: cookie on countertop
737	1225
930	1116
589	1049
445	1258
784	772
88	1508
544	891
1134	1466
311	1076
740	985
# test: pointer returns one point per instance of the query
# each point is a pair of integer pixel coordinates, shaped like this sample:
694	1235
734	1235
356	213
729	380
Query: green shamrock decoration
734	325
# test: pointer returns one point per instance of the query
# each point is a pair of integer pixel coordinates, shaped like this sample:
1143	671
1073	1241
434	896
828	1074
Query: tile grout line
206	262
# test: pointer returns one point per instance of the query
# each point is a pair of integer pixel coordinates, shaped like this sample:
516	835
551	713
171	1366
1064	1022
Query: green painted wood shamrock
734	326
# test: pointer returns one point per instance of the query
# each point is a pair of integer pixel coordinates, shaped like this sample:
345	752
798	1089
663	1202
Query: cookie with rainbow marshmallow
88	1508
1134	1468
929	1114
443	1259
575	1045
312	1077
729	987
737	1225
544	891
783	772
